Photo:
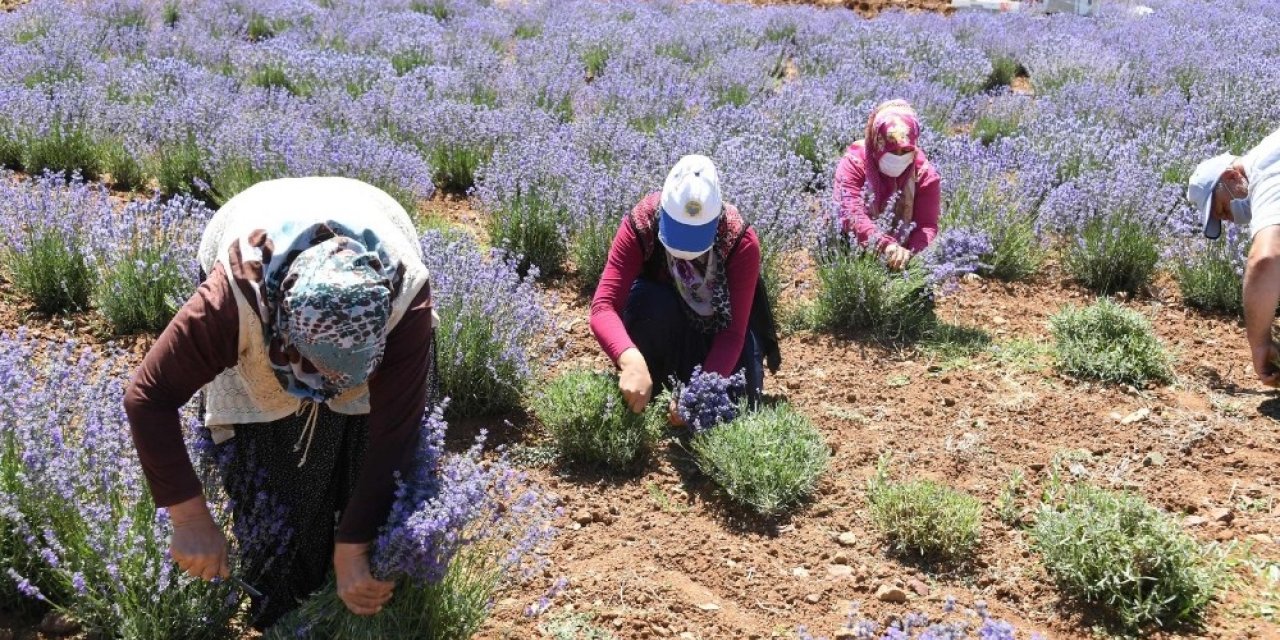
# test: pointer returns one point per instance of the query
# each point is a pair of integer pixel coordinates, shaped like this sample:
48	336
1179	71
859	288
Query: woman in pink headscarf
889	162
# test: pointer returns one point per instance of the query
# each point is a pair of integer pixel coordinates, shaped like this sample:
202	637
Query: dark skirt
285	515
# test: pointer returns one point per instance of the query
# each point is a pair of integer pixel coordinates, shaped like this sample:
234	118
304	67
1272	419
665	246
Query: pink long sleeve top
626	261
851	180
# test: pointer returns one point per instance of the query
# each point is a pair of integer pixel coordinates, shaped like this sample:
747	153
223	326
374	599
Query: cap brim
1212	225
684	237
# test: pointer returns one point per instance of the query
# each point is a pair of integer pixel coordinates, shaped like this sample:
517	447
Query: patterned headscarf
894	127
325	303
335	303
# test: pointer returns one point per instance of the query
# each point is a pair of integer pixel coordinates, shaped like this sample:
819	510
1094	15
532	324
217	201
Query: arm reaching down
850	182
200	342
1261	295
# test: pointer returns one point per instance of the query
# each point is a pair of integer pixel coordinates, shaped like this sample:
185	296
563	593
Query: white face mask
894	165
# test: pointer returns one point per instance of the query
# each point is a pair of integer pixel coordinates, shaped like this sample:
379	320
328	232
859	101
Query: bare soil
661	555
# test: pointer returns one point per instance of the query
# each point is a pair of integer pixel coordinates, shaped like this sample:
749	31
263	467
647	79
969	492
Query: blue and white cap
690	208
1200	191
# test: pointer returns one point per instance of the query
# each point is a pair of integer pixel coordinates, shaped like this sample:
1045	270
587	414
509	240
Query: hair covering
1200	187
894	127
328	301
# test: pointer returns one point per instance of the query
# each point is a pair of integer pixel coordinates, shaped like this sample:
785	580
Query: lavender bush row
79	530
69	245
561	114
495	334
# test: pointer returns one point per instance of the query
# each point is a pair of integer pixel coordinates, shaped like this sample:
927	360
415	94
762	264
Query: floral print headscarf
894	127
325	303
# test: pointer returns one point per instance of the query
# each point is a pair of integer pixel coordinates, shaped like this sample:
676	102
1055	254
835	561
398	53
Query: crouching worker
682	288
889	162
1245	190
311	337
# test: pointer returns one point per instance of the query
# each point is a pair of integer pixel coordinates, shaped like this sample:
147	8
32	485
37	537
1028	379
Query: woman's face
1231	186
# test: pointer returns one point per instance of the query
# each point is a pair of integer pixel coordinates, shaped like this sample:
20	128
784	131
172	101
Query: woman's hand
362	594
198	545
1266	363
673	415
633	380
896	256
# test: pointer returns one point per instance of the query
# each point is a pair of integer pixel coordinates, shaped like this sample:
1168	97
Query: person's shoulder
855	153
1264	158
651	200
853	162
645	212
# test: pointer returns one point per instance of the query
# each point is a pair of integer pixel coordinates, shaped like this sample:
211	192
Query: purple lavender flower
24	586
707	399
955	253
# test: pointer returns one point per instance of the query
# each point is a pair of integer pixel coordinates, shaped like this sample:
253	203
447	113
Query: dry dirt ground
659	555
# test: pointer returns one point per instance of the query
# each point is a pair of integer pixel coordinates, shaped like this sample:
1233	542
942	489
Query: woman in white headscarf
312	340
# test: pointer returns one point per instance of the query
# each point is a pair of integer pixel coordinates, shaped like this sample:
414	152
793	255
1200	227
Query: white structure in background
1079	7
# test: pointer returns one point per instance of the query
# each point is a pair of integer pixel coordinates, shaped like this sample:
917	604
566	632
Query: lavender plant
460	529
922	517
953	624
524	190
590	423
955	253
767	460
1210	274
708	399
858	292
47	254
95	544
1116	551
150	269
995	190
1108	342
495	334
1113	254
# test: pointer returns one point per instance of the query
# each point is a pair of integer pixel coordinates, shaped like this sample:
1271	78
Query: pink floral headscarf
894	127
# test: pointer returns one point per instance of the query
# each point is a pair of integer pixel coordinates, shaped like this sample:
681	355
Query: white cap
691	207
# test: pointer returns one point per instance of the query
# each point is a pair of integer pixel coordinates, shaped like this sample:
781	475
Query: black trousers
671	346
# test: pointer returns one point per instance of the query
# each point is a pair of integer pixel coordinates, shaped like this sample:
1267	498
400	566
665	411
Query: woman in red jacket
682	288
890	162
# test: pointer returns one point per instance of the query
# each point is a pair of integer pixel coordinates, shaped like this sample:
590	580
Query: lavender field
518	134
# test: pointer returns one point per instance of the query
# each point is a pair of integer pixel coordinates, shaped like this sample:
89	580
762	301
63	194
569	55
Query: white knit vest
249	392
